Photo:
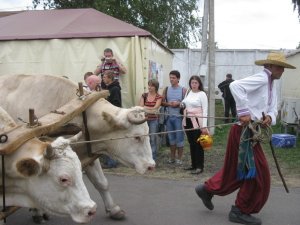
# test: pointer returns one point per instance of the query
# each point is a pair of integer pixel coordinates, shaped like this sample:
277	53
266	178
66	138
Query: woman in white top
195	116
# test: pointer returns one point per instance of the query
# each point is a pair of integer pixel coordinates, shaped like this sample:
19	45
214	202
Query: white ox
105	121
46	176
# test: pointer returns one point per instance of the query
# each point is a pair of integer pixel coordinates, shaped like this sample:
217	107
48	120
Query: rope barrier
179	115
157	133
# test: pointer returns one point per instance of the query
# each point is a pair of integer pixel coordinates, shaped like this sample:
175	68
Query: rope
157	133
179	115
261	133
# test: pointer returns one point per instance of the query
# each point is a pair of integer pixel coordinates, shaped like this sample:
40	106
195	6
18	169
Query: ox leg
96	176
38	216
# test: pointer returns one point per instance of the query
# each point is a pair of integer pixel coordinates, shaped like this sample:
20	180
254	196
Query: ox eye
65	181
137	138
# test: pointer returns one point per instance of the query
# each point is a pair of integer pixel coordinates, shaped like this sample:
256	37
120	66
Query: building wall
291	78
238	62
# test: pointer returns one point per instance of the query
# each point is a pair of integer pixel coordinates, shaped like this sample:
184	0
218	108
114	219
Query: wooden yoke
49	122
86	130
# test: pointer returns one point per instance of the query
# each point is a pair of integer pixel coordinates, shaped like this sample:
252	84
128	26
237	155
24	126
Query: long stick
276	161
278	167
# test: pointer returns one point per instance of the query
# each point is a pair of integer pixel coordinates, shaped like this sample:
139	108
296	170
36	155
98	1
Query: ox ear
28	167
115	123
50	152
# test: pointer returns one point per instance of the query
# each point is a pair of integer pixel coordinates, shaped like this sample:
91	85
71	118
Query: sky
259	24
239	24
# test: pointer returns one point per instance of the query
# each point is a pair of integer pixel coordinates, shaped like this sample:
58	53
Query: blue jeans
153	128
175	138
110	163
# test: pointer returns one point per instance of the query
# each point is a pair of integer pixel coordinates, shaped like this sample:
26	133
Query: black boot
205	196
237	216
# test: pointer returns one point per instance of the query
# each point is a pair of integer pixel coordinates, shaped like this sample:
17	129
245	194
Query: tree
173	22
297	5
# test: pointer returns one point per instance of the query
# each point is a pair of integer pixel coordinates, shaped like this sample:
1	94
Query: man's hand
266	120
174	104
245	120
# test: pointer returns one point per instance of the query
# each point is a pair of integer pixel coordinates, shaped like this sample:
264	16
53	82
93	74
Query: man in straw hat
245	167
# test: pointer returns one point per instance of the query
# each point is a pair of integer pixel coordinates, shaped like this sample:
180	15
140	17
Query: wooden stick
31	117
276	161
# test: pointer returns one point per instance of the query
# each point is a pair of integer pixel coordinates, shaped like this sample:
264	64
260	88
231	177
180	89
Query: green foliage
296	4
173	22
288	158
221	130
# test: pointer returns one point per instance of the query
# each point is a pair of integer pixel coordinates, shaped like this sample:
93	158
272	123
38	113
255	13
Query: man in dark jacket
228	98
114	88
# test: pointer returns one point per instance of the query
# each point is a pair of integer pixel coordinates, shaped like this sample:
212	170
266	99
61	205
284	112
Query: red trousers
252	193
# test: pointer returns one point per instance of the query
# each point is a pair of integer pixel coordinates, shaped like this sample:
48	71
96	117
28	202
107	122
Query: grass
288	158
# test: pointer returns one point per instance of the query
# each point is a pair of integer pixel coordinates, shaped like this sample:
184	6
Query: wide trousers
253	193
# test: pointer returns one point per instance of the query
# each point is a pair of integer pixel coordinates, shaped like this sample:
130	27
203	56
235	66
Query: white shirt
255	94
196	100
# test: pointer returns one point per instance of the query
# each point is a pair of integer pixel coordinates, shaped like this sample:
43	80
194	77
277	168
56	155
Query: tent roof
65	23
8	13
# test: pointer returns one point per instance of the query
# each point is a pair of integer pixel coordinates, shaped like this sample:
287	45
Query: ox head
112	123
55	182
134	150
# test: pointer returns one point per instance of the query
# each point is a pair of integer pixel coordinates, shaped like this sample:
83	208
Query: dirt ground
213	162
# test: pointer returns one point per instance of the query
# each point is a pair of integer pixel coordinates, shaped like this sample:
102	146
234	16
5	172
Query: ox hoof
120	215
38	219
46	216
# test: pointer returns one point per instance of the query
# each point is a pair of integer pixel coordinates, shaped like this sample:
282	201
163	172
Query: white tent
70	42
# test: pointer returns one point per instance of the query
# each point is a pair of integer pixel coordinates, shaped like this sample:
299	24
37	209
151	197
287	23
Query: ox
46	176
47	93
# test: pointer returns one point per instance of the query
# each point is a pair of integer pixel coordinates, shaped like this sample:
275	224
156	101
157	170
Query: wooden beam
49	122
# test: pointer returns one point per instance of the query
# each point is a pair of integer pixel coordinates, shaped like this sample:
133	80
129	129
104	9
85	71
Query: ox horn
50	152
136	117
75	137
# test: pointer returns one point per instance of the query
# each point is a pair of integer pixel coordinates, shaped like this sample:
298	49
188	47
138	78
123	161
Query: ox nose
92	211
151	167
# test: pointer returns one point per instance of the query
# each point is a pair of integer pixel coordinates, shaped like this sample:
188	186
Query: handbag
181	111
182	105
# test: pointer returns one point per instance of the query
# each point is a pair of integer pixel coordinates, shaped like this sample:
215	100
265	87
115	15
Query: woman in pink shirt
195	116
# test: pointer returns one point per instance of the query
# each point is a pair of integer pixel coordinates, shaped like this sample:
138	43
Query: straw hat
275	58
